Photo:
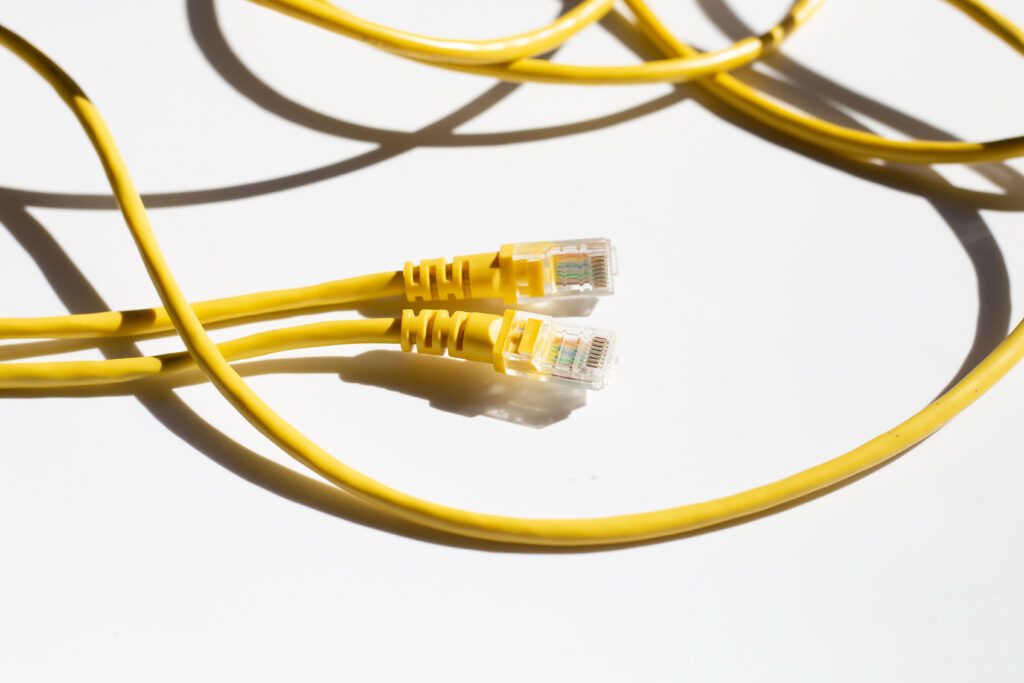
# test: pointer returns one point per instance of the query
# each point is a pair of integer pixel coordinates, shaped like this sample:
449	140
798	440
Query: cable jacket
117	370
154	320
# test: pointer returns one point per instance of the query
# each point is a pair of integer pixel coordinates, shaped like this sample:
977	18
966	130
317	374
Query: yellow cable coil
681	63
595	531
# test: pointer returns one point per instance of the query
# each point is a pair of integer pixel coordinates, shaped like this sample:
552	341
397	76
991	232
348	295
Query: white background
774	310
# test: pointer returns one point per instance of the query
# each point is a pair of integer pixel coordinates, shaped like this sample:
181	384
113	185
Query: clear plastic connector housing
563	269
538	346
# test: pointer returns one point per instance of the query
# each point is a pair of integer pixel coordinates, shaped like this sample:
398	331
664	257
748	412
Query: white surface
773	312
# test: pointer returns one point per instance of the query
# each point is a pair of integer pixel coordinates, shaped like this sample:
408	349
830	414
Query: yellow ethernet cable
683	62
95	372
673	69
838	138
232	309
442	50
516	272
499	59
520	344
516	343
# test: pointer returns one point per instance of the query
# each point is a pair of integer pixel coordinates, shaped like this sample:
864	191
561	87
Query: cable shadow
826	99
78	295
464	388
803	92
950	201
210	40
158	399
798	82
957	206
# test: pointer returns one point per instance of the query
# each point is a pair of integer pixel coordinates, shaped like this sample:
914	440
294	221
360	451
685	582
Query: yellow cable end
567	268
517	343
530	270
540	347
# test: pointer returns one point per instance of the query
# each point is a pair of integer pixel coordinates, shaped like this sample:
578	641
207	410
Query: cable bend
836	138
674	69
443	50
508	59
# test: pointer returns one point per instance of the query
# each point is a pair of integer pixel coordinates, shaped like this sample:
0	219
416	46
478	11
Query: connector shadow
454	386
464	388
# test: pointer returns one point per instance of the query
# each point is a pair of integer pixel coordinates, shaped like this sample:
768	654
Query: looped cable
594	531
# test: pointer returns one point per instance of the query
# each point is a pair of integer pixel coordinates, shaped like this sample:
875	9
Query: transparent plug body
564	269
537	346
